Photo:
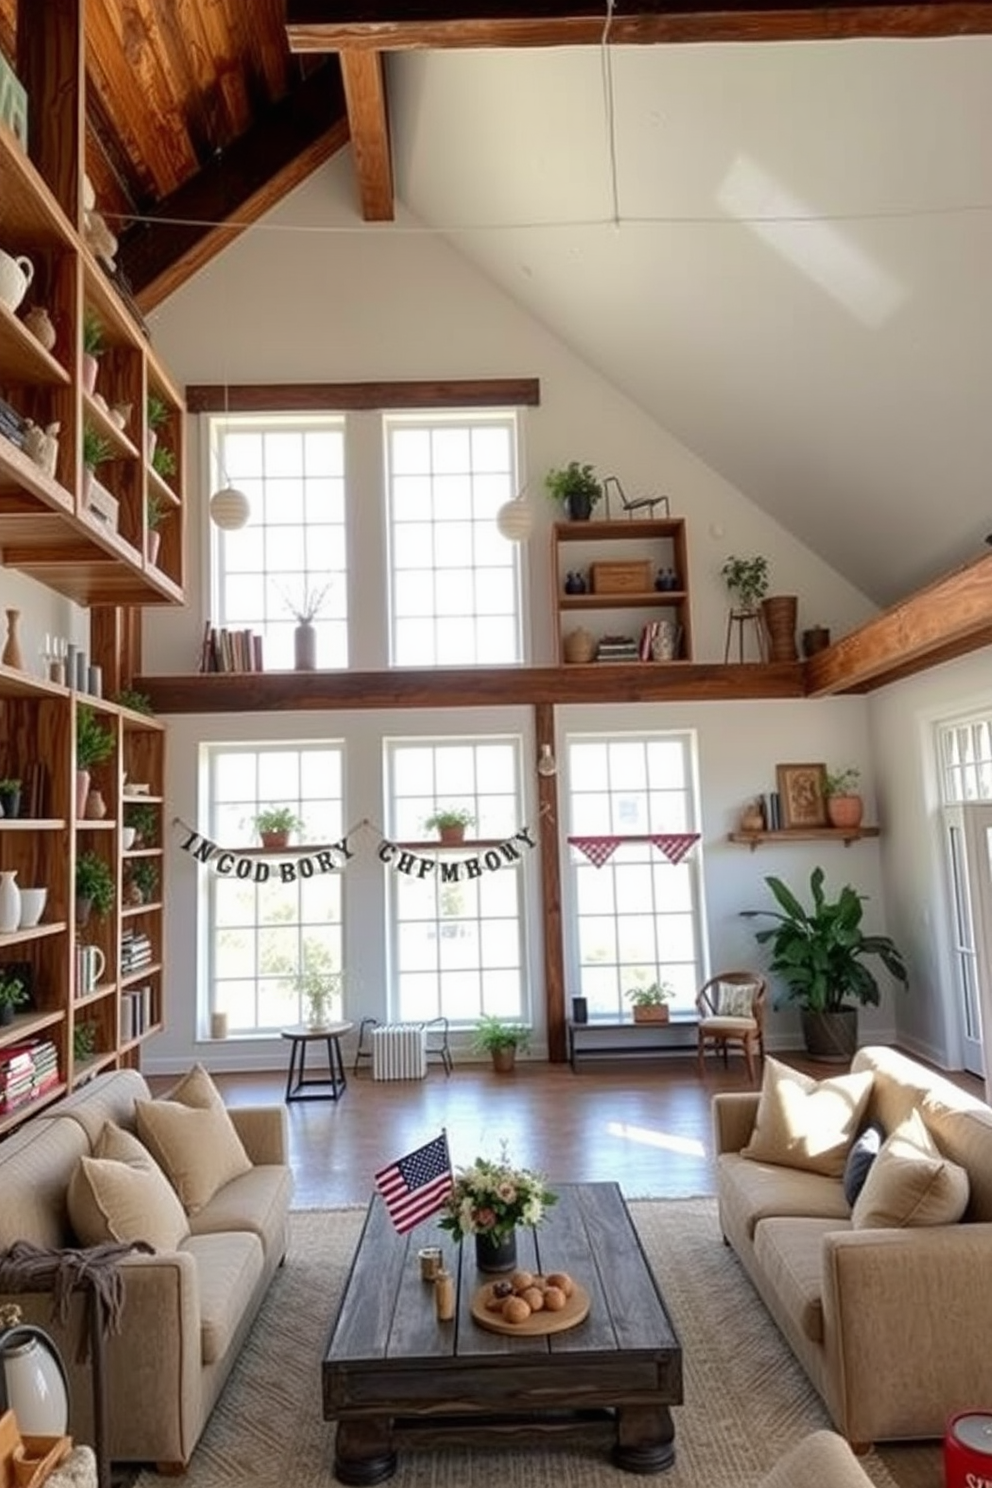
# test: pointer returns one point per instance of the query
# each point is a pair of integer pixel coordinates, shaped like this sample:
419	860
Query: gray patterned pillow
734	999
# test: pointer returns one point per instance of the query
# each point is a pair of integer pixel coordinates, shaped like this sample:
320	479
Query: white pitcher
10	902
15	279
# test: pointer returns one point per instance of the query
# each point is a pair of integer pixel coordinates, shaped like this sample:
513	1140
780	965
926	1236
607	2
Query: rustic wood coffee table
394	1376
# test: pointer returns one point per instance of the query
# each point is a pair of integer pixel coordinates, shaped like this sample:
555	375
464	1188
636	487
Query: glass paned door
969	837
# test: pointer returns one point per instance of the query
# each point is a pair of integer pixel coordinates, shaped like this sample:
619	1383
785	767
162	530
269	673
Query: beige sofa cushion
255	1201
790	1253
751	1192
228	1268
806	1123
120	1194
910	1183
198	1149
197	1089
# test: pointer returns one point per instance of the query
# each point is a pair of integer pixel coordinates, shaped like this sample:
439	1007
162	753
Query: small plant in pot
156	512
320	989
274	825
747	582
144	819
845	808
576	488
450	822
156	414
96	451
94	746
94	887
500	1040
93	349
142	882
10	798
13	995
84	1038
820	955
650	1003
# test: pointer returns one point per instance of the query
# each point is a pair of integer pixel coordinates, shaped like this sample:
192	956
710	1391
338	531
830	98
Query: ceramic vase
82	791
496	1254
96	806
12	650
10	902
305	647
39	323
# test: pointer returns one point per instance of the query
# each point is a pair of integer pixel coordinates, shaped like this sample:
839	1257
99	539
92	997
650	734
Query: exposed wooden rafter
386	25
948	618
190	227
365	93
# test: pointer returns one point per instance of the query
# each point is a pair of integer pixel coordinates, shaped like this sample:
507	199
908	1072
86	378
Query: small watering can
16	275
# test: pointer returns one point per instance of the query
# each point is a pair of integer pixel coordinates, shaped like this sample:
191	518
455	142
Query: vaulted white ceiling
782	252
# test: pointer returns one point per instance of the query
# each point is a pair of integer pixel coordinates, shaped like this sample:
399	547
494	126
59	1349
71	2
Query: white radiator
399	1052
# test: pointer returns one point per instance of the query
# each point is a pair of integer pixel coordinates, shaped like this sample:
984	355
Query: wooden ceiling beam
948	618
365	94
386	25
190	227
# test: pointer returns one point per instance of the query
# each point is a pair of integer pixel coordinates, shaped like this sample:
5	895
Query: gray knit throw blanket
96	1270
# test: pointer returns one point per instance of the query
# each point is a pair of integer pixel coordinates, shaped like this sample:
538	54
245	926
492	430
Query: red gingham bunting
675	845
597	849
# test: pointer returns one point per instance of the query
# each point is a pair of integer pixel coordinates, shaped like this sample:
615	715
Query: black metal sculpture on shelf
637	503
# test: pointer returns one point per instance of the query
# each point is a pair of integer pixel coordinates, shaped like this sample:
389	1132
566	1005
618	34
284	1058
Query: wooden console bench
605	1039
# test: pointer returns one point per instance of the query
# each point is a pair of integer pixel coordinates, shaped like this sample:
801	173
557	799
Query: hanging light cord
606	66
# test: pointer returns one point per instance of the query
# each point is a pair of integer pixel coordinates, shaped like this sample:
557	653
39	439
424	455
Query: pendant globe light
229	507
515	519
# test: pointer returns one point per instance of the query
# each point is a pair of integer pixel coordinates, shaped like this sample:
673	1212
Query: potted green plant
138	702
650	1003
96	450
84	1037
747	582
500	1040
156	414
143	817
576	488
94	745
12	995
274	825
320	988
820	955
156	512
10	798
845	808
450	822
94	887
163	462
142	881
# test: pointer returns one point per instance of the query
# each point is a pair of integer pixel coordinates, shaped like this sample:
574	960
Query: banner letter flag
417	1185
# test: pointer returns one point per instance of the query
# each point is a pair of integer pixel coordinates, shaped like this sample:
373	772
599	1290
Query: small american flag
416	1185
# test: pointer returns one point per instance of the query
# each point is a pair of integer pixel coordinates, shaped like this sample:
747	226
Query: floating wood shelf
847	835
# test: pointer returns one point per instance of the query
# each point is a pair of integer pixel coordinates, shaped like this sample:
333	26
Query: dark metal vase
496	1255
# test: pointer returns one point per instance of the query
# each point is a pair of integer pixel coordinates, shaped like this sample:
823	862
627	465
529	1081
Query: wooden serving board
576	1308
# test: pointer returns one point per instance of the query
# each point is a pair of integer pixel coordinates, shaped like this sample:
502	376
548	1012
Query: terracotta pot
505	1060
274	841
451	835
845	811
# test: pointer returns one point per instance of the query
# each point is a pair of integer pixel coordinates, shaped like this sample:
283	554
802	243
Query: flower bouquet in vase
490	1200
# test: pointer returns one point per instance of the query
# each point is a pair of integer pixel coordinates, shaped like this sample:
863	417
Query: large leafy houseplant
821	954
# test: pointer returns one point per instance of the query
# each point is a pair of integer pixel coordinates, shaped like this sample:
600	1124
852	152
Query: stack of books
11	424
618	648
136	951
136	1012
26	1071
226	650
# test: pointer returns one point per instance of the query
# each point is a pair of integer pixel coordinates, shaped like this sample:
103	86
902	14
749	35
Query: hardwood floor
644	1125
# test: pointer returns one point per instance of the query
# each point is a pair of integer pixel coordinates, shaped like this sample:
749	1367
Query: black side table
331	1087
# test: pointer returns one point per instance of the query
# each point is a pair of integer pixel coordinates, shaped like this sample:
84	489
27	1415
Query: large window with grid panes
637	917
456	942
450	584
261	936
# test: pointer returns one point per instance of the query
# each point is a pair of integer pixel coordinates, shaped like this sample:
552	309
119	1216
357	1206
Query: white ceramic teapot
15	279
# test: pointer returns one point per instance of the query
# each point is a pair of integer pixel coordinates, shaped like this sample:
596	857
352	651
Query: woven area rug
746	1399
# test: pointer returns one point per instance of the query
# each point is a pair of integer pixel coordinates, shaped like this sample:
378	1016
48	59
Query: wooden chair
722	1024
636	504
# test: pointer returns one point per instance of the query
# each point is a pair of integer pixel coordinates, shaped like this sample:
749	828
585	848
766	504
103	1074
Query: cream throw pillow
199	1150
911	1183
196	1088
120	1194
734	999
806	1123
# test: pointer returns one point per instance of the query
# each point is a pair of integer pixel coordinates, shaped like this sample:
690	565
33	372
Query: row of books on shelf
137	1014
136	951
26	1071
225	650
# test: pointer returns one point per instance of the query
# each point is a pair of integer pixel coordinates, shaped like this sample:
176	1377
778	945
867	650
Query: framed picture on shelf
802	790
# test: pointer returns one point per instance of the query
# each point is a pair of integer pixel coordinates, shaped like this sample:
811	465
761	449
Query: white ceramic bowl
32	907
128	835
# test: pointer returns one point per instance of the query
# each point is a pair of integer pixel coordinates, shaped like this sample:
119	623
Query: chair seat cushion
731	1026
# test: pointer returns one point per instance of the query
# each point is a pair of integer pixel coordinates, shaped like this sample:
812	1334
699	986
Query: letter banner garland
599	850
305	862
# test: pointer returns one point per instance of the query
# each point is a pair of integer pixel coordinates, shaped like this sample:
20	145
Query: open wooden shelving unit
847	835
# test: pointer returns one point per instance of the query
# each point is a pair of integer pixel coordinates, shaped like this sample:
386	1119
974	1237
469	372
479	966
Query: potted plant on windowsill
650	1003
845	808
500	1040
576	488
450	822
274	825
820	955
12	995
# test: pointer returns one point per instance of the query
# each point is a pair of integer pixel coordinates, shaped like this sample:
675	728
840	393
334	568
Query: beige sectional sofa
187	1310
893	1325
